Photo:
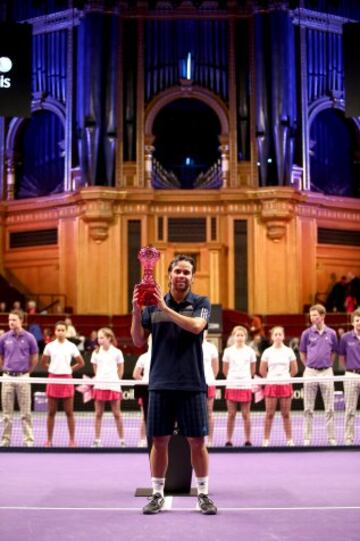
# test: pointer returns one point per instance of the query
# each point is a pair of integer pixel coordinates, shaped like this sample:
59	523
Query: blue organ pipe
262	127
51	75
63	64
309	60
110	102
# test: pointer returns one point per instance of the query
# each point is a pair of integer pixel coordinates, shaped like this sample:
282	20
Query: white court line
170	508
168	503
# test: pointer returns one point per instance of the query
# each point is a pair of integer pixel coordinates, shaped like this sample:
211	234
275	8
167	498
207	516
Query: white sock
158	484
202	485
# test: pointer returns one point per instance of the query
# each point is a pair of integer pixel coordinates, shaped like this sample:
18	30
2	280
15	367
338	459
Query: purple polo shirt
318	346
17	349
350	349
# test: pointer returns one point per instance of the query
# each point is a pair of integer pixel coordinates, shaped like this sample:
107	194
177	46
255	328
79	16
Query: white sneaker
333	443
4	443
265	443
96	443
29	444
307	443
349	442
122	443
142	443
290	443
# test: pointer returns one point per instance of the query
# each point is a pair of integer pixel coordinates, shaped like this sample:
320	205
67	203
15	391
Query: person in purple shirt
318	348
18	357
350	358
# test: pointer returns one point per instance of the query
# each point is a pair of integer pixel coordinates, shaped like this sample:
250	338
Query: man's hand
137	332
136	307
159	297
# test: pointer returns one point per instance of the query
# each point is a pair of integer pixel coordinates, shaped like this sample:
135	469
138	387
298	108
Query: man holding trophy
177	388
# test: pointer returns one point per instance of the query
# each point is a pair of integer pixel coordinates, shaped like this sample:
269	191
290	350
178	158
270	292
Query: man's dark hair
182	257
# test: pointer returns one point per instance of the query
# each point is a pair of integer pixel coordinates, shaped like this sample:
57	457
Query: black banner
351	44
15	69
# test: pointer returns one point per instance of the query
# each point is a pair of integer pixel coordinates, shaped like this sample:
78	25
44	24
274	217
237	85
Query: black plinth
179	472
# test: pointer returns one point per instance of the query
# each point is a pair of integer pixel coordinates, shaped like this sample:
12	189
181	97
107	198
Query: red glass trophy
148	257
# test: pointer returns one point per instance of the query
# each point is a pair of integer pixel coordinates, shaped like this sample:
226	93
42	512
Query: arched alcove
186	139
39	155
189	117
334	142
35	150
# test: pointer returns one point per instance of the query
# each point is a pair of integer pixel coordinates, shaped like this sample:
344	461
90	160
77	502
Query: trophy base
146	295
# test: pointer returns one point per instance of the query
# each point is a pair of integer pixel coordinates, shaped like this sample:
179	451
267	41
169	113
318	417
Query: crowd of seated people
344	295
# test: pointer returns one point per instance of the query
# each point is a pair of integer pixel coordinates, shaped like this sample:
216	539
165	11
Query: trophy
148	256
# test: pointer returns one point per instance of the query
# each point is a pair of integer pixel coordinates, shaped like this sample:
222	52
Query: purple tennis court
260	496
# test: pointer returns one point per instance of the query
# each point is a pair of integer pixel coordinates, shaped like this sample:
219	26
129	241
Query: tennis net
340	415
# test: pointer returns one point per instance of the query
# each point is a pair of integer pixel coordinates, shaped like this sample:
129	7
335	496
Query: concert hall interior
225	130
219	129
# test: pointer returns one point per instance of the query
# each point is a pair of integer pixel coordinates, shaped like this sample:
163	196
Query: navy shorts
186	408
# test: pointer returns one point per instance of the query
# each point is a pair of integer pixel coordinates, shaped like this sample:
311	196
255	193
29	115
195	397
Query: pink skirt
58	390
238	395
106	395
278	391
211	391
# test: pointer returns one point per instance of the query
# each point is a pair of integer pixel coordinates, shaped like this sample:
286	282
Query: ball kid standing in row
57	358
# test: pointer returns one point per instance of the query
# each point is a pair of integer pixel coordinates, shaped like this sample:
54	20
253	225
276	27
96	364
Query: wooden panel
68	260
307	260
285	265
258	269
36	268
92	263
39	278
293	276
134	266
215	276
275	271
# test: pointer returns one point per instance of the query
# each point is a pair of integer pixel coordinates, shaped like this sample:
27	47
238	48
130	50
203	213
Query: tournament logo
5	66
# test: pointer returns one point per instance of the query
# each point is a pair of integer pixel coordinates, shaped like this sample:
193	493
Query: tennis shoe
207	506
290	443
156	502
142	443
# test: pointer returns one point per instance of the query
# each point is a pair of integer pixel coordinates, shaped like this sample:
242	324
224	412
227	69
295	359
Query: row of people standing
318	349
318	346
61	358
239	363
108	366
